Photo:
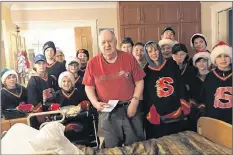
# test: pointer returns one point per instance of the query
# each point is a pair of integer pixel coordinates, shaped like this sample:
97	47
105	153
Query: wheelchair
86	125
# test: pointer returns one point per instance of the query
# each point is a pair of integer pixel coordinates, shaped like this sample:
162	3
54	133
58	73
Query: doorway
83	39
225	26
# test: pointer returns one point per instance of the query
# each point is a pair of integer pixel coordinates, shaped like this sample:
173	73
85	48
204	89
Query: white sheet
20	137
20	145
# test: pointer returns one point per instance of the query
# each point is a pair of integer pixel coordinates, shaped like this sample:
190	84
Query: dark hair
179	47
139	43
127	40
198	59
198	36
168	28
83	51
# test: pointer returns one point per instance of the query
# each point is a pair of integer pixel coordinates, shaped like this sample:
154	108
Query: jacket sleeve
25	95
145	105
33	95
182	90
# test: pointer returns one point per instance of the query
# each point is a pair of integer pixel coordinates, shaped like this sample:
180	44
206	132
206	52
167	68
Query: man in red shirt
116	75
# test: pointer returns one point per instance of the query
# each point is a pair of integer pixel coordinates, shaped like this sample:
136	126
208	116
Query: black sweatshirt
35	88
167	78
56	69
82	70
66	98
217	95
11	98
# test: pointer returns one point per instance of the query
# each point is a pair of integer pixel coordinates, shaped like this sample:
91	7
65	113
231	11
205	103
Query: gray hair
111	32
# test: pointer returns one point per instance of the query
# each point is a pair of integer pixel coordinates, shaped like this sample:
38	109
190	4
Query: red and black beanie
83	51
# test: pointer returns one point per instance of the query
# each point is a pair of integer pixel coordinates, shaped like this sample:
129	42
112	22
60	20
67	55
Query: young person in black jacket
165	100
12	93
39	81
217	88
54	68
76	129
72	66
202	62
83	56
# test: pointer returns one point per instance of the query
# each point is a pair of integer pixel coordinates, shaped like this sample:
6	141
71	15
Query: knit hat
39	57
49	44
150	62
168	28
201	54
66	74
6	72
83	51
220	48
195	36
167	41
72	60
127	40
179	47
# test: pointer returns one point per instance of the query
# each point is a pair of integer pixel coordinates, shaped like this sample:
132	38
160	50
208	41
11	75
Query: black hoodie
165	91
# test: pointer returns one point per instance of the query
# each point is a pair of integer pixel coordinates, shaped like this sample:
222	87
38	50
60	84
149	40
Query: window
221	22
225	26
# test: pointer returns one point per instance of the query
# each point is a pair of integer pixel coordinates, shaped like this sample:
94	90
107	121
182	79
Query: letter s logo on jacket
223	98
164	87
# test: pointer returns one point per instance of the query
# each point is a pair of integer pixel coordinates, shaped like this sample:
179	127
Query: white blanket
16	140
23	139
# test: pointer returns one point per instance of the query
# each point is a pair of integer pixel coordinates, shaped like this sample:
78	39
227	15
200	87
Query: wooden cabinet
135	32
190	12
143	21
150	13
169	12
130	14
187	30
150	32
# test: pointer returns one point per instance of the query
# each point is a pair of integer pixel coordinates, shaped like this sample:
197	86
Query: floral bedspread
187	142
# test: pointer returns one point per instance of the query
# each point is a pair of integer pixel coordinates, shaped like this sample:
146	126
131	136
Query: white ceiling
58	5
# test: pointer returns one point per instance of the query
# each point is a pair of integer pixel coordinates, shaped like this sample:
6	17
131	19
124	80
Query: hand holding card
110	106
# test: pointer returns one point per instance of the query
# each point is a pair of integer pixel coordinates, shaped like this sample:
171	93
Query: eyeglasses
59	55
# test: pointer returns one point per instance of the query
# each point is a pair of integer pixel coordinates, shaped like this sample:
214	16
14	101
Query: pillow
51	138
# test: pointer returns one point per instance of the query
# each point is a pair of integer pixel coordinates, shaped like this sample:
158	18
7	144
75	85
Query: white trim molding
215	9
60	5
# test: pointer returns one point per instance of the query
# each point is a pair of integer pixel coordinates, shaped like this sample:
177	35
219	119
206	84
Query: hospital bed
213	137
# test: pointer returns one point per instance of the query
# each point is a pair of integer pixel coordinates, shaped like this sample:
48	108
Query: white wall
62	38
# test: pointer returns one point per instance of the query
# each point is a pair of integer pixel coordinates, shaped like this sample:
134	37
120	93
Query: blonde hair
152	45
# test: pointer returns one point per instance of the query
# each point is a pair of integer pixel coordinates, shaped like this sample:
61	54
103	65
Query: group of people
159	88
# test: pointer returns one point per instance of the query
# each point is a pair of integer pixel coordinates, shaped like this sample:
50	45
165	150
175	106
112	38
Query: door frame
221	6
65	24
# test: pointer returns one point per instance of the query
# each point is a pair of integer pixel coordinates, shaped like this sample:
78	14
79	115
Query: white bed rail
46	113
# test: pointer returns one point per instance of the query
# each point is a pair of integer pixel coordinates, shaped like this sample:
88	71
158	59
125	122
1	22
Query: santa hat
195	36
71	60
167	41
202	54
66	74
6	72
220	48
